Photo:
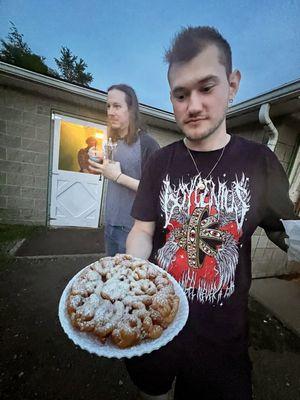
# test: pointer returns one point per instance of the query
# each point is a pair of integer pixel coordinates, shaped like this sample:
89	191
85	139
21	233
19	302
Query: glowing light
99	135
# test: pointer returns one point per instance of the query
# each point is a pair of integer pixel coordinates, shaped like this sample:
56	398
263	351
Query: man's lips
194	120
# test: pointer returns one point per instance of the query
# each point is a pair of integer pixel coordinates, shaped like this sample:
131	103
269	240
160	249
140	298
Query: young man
134	146
198	204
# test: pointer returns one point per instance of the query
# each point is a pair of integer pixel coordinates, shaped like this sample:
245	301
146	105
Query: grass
9	234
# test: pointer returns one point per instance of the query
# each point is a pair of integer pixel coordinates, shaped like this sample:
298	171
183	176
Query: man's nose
195	104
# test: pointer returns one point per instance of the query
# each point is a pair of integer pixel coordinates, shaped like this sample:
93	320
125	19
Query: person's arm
139	239
278	205
112	171
278	238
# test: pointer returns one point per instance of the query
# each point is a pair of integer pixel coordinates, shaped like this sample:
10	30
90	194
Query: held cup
95	155
109	149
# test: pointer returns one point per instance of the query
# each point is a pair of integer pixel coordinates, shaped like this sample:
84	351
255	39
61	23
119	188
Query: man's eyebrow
206	79
214	78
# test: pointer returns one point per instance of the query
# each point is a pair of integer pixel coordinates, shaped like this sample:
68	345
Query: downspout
264	118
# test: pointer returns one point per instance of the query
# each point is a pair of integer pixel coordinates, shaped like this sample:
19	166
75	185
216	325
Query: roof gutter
269	127
76	89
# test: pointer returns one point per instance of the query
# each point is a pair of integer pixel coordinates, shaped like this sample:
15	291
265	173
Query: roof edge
91	93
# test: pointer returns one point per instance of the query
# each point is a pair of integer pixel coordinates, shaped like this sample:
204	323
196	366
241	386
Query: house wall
26	144
267	258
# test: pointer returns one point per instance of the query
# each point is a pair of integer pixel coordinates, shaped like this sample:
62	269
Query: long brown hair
134	114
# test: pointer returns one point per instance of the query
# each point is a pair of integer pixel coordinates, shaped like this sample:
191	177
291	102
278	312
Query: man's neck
213	142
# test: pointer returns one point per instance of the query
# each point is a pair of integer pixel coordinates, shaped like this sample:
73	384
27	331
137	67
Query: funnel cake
122	299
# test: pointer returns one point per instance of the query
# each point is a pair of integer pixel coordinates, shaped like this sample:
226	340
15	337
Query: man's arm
112	171
139	239
277	237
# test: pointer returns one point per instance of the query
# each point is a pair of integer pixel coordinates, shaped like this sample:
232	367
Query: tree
17	52
71	69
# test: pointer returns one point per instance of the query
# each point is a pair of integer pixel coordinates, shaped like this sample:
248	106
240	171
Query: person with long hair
133	148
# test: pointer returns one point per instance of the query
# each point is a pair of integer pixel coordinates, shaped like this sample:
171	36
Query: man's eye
207	89
179	96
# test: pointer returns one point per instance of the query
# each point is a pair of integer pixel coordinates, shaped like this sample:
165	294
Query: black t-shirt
204	225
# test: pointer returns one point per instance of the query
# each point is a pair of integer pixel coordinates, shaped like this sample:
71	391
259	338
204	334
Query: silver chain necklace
202	185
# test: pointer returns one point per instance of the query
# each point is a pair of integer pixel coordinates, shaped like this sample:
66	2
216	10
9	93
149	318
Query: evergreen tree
17	52
71	69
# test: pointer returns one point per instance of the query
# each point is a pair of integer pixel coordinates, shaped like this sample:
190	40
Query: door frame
54	153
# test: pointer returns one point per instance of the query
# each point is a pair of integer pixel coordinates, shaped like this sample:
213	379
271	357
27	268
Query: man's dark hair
191	41
134	113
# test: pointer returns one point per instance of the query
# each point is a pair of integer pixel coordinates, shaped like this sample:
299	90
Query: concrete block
36	170
3	153
268	255
19	202
39	214
20	129
20	179
21	155
35	145
280	150
10	190
3	178
43	133
23	168
41	158
3	201
262	242
41	182
7	213
2	126
22	101
258	231
36	120
288	153
34	193
11	114
254	241
259	254
40	204
26	213
10	141
44	109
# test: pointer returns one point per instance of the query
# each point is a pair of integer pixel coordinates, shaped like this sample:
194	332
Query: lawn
10	235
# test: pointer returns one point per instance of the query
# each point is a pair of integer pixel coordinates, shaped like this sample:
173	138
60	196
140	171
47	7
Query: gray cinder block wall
26	135
25	145
267	258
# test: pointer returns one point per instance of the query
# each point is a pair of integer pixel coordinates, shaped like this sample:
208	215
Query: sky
123	41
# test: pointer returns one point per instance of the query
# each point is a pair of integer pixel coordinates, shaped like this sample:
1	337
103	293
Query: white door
75	196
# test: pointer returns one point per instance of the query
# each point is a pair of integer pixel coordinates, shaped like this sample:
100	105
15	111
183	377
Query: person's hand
111	170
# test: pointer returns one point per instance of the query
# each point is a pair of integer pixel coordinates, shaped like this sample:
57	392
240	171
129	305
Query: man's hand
110	170
139	239
277	237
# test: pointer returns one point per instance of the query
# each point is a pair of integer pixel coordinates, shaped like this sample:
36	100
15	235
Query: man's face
117	110
200	92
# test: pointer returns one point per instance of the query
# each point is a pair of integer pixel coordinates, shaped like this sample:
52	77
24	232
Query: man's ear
234	83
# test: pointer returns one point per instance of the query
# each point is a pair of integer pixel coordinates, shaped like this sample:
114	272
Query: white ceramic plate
90	343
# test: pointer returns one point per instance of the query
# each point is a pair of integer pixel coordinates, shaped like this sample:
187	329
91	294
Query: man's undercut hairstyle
134	113
191	41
